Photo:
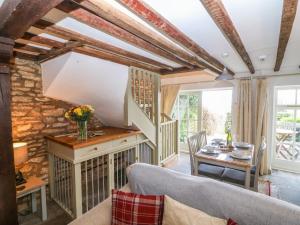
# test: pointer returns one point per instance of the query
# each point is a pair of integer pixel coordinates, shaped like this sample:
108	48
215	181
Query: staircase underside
81	79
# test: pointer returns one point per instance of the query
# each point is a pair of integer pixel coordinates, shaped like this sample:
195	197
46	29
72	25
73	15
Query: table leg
44	203
248	177
33	202
196	165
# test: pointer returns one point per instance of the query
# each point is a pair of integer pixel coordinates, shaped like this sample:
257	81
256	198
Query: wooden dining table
223	158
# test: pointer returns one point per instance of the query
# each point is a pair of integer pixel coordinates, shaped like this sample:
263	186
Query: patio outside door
286	129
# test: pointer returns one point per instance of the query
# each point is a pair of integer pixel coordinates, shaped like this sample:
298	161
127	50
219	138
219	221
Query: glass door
207	110
286	138
189	114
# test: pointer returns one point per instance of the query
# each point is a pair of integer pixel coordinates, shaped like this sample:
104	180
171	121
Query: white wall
82	79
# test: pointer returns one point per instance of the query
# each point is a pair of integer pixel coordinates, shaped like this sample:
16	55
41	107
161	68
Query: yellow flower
67	115
90	108
78	111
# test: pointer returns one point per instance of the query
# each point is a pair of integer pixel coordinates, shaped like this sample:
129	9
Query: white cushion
176	213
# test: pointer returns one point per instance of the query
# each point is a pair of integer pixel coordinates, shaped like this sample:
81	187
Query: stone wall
34	115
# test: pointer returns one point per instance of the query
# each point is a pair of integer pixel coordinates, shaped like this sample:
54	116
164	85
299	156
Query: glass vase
82	130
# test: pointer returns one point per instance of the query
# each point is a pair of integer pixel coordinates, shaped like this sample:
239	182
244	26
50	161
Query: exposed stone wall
34	115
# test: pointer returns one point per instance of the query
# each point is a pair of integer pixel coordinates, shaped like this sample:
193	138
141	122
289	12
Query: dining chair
196	142
239	177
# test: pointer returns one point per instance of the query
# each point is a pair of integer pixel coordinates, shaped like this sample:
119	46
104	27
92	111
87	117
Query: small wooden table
32	186
224	159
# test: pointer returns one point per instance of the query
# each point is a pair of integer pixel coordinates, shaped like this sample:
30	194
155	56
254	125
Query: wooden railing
143	87
169	132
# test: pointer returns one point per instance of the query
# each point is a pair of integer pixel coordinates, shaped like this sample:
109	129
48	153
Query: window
287	127
206	110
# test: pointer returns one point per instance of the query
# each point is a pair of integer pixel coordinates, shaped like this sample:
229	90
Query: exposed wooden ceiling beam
97	22
55	30
42	40
16	16
148	14
287	20
114	58
31	48
180	70
219	14
69	46
109	13
23	55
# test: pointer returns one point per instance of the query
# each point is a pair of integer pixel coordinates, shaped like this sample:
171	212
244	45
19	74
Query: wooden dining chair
238	176
195	143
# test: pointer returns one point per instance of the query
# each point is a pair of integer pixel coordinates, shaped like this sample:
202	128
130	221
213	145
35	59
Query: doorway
207	109
286	129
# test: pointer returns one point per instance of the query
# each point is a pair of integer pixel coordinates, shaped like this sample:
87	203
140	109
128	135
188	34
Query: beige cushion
176	213
99	215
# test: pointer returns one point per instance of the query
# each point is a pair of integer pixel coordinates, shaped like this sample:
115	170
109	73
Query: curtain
243	111
168	96
261	118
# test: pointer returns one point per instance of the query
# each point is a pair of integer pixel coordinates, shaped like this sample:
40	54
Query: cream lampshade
20	153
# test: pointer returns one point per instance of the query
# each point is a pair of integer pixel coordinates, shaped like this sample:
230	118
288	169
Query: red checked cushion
231	222
134	209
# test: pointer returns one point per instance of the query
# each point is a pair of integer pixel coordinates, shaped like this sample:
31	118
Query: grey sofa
213	197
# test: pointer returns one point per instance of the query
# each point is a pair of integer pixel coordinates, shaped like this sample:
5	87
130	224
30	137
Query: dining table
223	157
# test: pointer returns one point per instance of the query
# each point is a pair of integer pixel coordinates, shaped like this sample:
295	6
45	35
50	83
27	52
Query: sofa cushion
134	209
236	176
231	222
176	213
210	170
100	214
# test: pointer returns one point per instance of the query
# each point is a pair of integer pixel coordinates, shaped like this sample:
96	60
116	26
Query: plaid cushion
231	222
134	209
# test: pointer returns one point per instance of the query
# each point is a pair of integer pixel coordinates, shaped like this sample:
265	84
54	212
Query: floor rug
266	187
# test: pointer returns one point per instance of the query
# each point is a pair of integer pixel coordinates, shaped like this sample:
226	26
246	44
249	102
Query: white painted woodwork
82	178
169	134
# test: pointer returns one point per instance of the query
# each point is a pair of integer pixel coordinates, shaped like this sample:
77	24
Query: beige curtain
244	109
261	118
168	97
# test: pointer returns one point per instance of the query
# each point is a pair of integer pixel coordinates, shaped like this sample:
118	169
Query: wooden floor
287	183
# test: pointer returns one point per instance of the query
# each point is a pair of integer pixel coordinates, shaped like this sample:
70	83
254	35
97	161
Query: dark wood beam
69	46
97	22
148	14
180	70
287	20
24	55
109	13
8	205
31	48
219	14
66	33
42	40
16	16
114	58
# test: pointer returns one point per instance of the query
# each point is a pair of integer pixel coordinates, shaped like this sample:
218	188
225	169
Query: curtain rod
265	76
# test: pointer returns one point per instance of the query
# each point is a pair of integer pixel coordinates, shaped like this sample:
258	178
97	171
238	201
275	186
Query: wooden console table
82	173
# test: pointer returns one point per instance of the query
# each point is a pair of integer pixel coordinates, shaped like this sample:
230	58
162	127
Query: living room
149	112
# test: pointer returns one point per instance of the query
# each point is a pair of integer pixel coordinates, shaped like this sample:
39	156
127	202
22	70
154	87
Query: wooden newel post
8	205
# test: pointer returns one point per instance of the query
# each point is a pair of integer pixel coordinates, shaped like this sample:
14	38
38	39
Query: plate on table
209	150
240	155
242	145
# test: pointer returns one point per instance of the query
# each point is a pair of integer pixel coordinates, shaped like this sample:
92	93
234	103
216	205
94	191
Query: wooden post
157	97
8	205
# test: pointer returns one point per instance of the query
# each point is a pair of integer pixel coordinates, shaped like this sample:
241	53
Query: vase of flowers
81	115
